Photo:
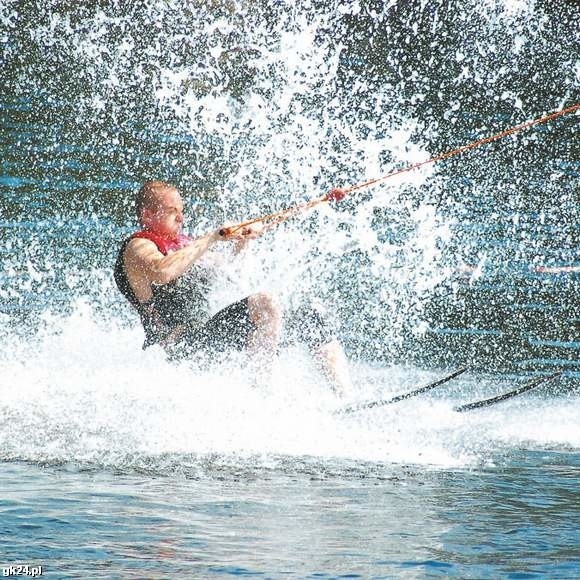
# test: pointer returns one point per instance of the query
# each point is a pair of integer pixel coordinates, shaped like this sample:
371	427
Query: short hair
147	195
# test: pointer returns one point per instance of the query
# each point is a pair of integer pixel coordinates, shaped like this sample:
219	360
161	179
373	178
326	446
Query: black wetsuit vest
180	302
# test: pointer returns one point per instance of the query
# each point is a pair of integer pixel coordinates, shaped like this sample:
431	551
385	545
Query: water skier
166	276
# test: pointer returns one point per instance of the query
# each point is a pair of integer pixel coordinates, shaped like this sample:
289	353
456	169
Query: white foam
87	393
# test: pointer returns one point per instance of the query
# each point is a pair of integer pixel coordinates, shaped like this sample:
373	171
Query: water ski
505	396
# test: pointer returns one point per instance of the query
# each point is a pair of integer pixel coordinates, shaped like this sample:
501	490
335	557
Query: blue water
311	521
117	464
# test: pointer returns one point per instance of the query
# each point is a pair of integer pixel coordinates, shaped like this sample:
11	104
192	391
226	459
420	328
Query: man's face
165	214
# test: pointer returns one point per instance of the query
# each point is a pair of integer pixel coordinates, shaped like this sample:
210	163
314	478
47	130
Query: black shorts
231	327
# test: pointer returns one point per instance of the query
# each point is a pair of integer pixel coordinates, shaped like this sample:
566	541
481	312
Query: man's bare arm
145	264
144	260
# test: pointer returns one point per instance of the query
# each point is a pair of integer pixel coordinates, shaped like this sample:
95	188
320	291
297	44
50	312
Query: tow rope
339	194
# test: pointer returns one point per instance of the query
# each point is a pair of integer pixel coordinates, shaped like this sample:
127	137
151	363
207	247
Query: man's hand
229	233
241	235
252	231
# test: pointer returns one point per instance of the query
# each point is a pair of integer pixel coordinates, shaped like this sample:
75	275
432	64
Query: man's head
160	208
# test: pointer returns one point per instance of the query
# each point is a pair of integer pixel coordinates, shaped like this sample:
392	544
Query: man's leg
266	316
252	323
332	361
310	326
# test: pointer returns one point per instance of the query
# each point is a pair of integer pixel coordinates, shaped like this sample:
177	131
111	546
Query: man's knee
264	308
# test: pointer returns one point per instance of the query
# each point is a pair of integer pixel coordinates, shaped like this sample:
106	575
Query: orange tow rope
339	194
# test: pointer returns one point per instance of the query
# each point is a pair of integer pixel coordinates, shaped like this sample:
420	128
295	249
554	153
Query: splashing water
250	108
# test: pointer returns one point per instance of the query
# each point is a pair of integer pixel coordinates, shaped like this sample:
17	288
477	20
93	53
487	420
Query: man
166	275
